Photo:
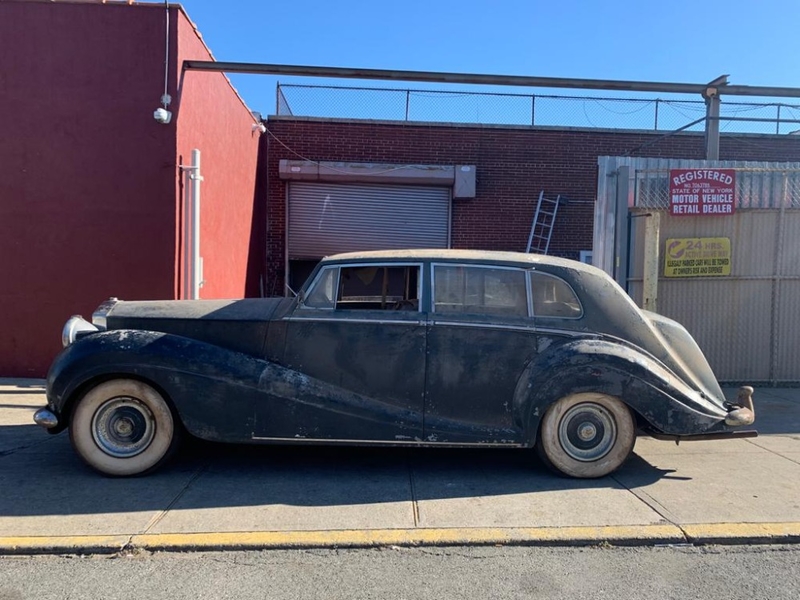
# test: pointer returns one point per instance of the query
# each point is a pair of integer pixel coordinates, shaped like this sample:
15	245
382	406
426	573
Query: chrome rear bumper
742	411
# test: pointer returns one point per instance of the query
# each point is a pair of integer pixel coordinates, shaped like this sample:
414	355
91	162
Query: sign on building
702	192
697	257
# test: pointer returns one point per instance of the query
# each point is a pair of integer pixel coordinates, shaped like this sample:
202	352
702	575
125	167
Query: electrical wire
644	103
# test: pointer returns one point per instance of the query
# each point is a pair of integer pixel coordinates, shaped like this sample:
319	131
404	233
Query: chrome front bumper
46	418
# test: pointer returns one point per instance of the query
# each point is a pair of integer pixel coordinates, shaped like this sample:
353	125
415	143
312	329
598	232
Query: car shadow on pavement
41	475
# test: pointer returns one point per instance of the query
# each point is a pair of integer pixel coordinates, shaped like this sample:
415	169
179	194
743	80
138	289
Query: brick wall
513	166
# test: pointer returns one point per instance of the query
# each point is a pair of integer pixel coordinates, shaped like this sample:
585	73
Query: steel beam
484	79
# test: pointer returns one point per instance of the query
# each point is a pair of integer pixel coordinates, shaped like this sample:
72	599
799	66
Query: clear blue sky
756	42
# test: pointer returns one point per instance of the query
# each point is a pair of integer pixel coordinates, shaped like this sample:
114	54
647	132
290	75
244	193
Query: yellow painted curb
405	537
409	537
71	544
641	535
742	533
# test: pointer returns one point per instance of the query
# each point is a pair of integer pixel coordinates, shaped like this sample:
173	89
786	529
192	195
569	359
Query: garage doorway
330	218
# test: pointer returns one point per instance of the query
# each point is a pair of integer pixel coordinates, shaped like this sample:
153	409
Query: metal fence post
778	122
533	110
652	232
621	232
656	123
408	100
712	126
775	325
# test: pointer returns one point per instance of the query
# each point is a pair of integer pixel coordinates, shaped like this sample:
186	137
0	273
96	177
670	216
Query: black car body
415	347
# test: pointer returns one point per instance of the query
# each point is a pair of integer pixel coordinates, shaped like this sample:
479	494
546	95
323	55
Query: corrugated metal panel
752	236
328	218
729	318
787	343
790	247
746	324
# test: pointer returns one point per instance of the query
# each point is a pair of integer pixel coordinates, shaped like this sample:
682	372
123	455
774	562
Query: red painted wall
86	196
513	166
89	203
212	118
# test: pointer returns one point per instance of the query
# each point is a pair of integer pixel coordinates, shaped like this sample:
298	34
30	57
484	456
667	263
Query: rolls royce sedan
448	348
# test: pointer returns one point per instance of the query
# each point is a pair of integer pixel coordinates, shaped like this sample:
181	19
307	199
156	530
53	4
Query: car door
359	339
480	338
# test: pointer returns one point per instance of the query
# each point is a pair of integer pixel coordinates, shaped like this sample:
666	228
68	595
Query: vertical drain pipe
197	261
193	262
187	234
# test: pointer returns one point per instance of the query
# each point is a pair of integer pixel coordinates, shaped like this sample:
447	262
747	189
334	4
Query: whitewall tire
586	435
123	427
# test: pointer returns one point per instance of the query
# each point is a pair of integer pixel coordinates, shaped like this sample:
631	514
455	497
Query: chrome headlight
73	327
99	315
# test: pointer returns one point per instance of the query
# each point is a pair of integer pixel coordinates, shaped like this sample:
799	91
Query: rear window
553	297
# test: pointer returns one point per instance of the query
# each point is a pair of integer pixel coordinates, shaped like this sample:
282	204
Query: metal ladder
543	221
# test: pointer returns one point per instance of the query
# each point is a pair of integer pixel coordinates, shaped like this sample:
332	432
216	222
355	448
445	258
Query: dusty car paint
273	370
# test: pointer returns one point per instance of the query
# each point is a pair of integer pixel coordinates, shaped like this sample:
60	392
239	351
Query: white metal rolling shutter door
328	218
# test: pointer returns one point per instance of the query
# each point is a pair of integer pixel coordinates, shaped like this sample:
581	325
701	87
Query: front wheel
586	435
123	427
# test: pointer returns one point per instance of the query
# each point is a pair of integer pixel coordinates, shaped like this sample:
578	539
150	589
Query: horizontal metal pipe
753	119
482	79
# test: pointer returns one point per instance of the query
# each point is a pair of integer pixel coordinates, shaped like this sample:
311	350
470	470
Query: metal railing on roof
502	108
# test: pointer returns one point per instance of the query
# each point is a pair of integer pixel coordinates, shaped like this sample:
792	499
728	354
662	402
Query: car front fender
205	383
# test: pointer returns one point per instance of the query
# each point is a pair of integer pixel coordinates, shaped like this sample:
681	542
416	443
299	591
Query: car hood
239	325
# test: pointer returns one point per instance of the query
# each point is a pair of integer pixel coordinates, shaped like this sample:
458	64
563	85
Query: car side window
480	290
553	297
379	287
323	293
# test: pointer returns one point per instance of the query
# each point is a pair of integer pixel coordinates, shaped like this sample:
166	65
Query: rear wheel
123	427
586	435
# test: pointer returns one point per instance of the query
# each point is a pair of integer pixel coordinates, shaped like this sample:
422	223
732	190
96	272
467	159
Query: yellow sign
697	257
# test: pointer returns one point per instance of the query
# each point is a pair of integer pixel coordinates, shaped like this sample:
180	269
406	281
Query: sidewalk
216	496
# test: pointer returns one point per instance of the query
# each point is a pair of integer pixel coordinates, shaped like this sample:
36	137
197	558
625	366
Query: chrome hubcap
123	427
587	432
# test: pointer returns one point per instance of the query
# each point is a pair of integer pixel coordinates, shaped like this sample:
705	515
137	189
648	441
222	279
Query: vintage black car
411	348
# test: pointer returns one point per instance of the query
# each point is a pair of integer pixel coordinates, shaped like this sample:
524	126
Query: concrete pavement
219	496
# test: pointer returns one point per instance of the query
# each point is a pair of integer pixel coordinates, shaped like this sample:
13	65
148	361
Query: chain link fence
652	114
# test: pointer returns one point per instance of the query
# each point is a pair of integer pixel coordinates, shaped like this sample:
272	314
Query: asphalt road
754	572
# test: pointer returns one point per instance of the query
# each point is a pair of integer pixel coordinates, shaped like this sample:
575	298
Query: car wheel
586	435
123	427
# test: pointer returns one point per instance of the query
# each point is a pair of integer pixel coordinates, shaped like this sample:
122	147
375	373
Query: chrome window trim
524	271
531	272
567	332
314	283
529	328
414	321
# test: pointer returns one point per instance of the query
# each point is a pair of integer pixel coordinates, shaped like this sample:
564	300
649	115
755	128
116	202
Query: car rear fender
661	399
